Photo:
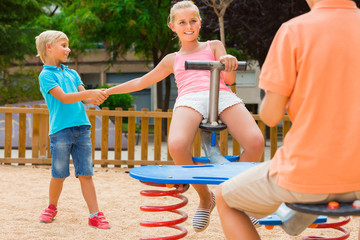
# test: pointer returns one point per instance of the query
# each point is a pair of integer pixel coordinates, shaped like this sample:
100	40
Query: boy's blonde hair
49	36
181	5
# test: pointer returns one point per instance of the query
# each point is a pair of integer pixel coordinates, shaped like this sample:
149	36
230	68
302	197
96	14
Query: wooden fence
40	150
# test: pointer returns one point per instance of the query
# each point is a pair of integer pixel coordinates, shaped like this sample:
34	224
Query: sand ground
24	194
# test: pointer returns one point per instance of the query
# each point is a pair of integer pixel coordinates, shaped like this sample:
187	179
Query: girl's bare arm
229	61
161	71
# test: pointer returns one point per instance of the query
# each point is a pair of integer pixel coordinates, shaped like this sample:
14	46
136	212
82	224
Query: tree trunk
222	29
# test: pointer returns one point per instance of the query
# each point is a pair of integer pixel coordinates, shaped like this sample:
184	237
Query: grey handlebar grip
210	65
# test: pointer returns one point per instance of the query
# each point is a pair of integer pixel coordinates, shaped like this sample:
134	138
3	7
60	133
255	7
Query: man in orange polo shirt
313	72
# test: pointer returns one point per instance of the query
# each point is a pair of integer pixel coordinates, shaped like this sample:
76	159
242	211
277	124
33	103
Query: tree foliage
17	39
23	87
251	25
137	25
16	32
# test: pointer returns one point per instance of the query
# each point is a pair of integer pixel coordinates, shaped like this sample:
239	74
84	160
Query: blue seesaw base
213	174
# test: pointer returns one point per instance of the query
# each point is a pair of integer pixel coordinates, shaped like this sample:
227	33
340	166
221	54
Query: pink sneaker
48	215
99	221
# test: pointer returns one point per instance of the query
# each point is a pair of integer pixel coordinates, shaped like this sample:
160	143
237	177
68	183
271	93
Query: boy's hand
230	62
98	96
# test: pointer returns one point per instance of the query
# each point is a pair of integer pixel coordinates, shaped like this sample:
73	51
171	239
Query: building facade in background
95	71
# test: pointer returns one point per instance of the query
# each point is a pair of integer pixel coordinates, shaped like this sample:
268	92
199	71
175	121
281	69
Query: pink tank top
190	81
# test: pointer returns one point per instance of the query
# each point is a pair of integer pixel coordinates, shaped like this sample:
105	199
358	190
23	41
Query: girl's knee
258	142
177	146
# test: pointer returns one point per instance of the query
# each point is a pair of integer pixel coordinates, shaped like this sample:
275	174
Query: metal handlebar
215	67
210	65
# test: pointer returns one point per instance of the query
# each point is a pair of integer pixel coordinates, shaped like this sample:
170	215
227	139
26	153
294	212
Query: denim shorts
74	141
199	101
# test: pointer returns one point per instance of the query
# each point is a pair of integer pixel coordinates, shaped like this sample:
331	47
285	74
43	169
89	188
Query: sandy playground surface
24	194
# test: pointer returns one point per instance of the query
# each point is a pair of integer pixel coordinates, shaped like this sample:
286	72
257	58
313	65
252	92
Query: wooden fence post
261	125
35	133
104	137
44	121
197	145
8	133
273	140
118	137
131	137
22	134
144	136
224	142
157	137
92	120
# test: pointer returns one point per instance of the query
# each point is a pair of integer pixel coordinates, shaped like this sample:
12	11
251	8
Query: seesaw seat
344	209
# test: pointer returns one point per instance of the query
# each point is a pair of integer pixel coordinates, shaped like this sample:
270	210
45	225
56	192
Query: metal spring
179	188
337	226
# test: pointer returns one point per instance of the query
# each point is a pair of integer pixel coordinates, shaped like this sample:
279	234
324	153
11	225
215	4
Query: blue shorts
74	141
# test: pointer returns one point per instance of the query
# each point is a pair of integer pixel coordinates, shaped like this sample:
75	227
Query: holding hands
230	62
98	96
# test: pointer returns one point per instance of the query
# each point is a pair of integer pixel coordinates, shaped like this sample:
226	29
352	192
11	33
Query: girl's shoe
201	218
48	215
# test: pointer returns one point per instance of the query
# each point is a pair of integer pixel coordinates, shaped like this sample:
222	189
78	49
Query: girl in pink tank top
191	105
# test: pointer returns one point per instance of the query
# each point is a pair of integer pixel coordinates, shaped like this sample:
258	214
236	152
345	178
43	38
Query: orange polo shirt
315	60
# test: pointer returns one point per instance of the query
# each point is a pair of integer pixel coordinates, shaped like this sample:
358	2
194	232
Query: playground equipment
293	218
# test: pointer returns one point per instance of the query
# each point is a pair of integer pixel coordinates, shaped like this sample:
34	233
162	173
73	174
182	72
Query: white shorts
199	101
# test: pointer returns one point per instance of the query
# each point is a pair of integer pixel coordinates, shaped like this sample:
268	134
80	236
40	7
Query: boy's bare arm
272	108
96	95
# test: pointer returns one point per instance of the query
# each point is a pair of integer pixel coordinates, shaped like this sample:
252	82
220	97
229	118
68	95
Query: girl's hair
181	5
49	36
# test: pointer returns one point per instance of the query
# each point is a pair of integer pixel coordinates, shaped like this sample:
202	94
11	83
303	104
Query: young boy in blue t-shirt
69	126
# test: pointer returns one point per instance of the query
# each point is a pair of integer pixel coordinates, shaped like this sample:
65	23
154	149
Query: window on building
91	80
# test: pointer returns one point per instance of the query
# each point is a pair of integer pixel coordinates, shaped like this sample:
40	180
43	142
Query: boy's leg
234	223
55	189
243	128
60	146
83	163
96	219
89	193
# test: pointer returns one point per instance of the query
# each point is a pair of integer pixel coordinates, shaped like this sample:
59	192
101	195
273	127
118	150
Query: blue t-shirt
62	115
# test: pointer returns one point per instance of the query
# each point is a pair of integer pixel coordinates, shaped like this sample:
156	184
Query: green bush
118	100
20	87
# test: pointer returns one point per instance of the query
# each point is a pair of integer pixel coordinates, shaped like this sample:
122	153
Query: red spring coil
337	226
179	188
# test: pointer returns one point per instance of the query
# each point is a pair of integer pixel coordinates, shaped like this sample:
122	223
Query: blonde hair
49	36
181	5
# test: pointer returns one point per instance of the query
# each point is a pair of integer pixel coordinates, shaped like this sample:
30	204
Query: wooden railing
40	147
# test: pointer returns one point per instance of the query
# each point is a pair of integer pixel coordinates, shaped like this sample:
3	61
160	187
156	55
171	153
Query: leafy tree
251	25
219	9
138	25
16	36
23	87
17	40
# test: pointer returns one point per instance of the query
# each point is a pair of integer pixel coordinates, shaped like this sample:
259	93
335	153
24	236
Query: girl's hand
230	62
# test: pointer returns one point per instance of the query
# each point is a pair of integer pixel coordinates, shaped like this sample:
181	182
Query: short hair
181	5
49	36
